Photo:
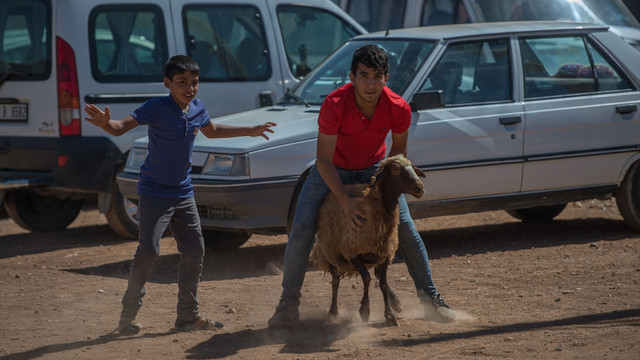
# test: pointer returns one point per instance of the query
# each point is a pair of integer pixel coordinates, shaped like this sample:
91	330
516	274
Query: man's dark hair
180	64
370	56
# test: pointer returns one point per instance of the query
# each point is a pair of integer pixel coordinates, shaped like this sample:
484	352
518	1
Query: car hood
294	123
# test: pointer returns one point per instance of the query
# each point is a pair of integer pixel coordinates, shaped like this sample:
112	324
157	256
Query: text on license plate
14	112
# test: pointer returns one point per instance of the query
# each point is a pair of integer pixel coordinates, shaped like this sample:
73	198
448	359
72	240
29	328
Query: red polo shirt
360	140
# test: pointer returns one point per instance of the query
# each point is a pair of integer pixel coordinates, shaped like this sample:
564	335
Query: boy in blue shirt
165	192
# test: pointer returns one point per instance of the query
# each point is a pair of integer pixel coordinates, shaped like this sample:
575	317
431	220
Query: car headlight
136	158
226	165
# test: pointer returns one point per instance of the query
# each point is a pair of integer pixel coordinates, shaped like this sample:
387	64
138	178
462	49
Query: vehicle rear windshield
609	12
25	40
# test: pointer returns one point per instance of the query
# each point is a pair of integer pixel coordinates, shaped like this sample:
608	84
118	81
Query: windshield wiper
297	98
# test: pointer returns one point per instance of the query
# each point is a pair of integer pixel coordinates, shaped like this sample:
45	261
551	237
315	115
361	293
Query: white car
505	116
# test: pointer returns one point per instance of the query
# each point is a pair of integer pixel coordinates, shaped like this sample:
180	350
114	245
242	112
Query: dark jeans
181	215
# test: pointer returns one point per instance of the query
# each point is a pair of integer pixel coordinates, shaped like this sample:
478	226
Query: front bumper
252	205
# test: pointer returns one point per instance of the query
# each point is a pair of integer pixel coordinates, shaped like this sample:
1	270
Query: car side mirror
427	100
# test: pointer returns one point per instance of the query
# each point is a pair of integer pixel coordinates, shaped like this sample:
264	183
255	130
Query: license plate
14	112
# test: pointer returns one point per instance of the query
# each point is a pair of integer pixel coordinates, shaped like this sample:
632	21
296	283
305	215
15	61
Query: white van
376	15
58	55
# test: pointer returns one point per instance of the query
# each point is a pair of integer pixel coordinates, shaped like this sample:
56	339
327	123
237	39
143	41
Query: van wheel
538	213
628	197
225	240
37	213
122	215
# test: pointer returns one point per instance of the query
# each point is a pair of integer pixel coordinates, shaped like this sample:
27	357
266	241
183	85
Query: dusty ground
568	289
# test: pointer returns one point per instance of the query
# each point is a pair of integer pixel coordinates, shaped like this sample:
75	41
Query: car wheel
538	213
224	240
3	212
35	212
122	215
628	197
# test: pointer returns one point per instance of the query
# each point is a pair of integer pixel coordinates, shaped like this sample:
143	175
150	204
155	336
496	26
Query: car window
376	15
227	41
127	43
405	59
561	66
310	35
25	39
473	72
443	12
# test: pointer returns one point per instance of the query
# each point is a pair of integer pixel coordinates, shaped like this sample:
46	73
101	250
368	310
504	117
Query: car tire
3	212
628	197
122	216
38	213
538	213
219	240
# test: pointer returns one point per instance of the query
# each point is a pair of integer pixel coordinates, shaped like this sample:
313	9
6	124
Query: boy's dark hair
180	64
370	56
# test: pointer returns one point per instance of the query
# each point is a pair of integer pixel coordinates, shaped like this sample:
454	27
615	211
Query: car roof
446	32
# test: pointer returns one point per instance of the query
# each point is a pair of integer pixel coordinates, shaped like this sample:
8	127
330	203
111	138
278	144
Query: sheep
342	251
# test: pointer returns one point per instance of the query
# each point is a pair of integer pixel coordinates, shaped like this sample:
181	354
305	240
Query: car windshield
405	58
611	12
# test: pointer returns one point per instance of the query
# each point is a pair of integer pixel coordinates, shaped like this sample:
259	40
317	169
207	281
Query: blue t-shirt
165	172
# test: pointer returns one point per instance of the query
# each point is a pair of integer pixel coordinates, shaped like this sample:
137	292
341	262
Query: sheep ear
418	171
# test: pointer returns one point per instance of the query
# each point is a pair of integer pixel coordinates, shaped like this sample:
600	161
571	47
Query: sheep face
404	176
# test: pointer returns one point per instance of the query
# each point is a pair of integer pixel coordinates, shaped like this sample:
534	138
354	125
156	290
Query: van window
310	35
127	43
443	13
565	66
473	72
227	41
376	15
25	40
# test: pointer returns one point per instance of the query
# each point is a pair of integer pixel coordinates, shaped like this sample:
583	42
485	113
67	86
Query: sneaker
436	310
286	315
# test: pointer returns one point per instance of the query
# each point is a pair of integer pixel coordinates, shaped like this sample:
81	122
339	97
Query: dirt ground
568	289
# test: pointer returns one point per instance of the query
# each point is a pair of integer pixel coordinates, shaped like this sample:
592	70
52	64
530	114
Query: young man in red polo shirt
353	123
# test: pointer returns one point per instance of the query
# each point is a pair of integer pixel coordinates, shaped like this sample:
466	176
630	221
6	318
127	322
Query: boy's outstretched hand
261	130
97	117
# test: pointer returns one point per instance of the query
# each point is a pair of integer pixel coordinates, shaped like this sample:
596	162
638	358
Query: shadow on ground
316	336
256	261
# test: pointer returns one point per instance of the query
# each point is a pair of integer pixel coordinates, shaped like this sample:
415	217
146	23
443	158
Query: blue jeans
155	214
303	232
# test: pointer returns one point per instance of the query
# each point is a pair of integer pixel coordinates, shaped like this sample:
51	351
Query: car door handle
510	120
626	109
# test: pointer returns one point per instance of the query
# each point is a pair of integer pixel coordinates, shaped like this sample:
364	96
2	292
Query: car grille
217	212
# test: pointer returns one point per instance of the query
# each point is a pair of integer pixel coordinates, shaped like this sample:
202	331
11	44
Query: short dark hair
370	56
179	64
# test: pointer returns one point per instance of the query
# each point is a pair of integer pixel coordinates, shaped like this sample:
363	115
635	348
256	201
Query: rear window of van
25	40
127	43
